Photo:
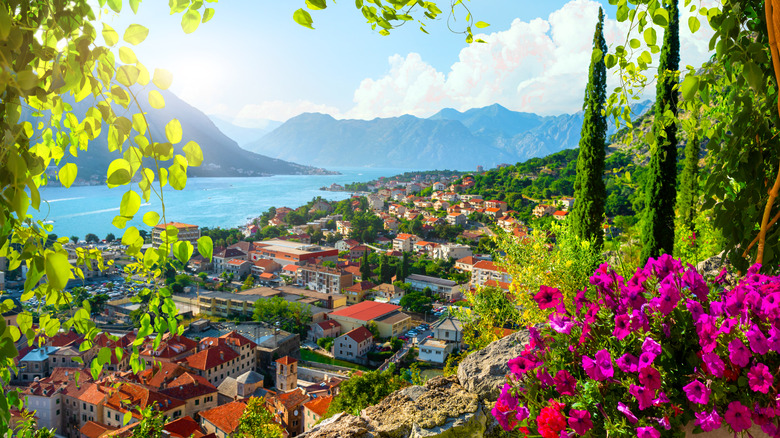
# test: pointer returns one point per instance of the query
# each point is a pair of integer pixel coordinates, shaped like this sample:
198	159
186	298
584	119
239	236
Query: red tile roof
92	395
328	324
188	386
267	276
287	360
560	213
293	399
488	266
64	338
292	268
404	236
211	357
234	338
359	334
493	210
361	286
175	224
184	427
136	398
160	373
93	430
225	417
467	260
366	310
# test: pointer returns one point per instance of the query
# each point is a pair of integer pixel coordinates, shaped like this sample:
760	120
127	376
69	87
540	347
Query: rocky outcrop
711	267
445	407
484	372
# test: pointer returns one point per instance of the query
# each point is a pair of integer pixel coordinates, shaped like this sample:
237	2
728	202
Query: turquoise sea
206	202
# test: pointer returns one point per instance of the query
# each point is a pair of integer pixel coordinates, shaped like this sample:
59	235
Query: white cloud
539	66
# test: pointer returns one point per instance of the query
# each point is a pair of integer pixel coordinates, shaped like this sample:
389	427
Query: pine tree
688	198
589	190
660	192
365	267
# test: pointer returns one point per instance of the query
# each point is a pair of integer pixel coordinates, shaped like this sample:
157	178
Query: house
249	384
508	223
465	264
262	266
388	317
456	219
324	279
566	203
223	420
239	268
375	202
392	224
288	408
353	344
425	248
172	349
560	215
214	363
435	351
344	228
448	329
484	271
319	205
493	212
494	203
358	251
451	251
324	329
222	257
345	244
132	398
413	188
35	364
355	271
314	410
387	291
441	205
542	210
447	289
196	392
184	427
358	291
396	210
404	242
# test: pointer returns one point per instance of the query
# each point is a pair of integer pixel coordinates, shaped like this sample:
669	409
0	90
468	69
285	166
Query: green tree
688	197
373	328
110	237
360	392
249	283
151	424
326	343
91	238
257	421
589	190
365	267
74	239
660	193
416	301
292	316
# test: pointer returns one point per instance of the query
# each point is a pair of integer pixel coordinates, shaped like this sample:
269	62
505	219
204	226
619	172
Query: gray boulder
484	372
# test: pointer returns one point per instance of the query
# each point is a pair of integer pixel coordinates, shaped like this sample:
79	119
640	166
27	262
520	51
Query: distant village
201	381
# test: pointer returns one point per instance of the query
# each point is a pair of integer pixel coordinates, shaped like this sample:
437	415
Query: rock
484	372
711	267
342	426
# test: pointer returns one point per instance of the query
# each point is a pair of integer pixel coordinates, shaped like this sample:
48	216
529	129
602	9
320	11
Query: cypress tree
688	198
365	267
589	190
660	192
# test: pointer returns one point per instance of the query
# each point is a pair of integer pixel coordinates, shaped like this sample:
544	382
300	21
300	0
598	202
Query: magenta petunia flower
774	339
627	412
757	340
580	421
695	308
647	432
565	383
622	326
738	416
544	377
738	353
664	422
628	363
661	399
592	369
548	297
696	284
522	413
760	379
668	296
649	345
644	396
697	392
650	378
520	365
708	421
604	362
714	364
505	408
560	323
707	329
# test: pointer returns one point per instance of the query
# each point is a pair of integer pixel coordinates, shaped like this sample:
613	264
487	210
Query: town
286	318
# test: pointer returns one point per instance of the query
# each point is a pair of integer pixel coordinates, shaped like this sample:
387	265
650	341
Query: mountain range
448	139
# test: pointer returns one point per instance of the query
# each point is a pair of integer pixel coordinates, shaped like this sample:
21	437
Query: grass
312	356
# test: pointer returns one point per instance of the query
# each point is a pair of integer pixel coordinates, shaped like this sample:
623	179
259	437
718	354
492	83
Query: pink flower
650	377
628	363
758	342
697	392
714	364
622	326
521	365
738	353
565	383
647	432
548	297
708	421
580	421
643	396
760	379
627	412
738	416
600	368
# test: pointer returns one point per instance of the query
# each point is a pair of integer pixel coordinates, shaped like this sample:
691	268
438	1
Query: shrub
649	355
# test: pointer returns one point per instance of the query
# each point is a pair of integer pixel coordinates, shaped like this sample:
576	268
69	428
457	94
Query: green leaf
208	13
650	36
481	24
183	251
130	236
194	154
177	177
134	5
162	78
754	76
316	5
622	12
190	21
57	270
5	22
118	173
693	24
130	204
104	355
661	17
109	35
634	43
52	327
303	18
127	75
205	247
173	131
67	174
156	100
135	34
127	55
151	218
689	86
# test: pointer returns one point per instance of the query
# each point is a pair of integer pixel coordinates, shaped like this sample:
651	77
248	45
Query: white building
433	350
451	251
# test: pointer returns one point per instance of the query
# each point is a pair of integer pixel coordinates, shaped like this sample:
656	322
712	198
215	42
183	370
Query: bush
661	350
325	343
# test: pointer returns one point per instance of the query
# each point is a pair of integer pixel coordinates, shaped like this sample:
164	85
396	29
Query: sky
253	63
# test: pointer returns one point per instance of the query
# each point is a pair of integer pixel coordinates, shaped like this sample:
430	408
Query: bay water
206	202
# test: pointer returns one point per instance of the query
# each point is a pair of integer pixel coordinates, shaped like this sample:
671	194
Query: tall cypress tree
365	267
660	192
688	198
589	190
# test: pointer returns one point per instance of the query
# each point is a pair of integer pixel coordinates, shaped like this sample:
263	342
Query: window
83	418
58	412
116	417
83	405
446	334
197	401
58	401
91	408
